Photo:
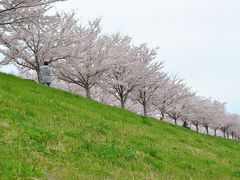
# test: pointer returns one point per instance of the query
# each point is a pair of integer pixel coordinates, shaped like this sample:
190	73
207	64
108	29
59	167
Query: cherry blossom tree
207	113
227	123
194	111
178	109
170	92
47	39
145	93
151	80
218	111
91	57
19	11
124	74
234	128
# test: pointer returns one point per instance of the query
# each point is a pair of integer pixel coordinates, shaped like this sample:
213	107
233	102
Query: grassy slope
51	134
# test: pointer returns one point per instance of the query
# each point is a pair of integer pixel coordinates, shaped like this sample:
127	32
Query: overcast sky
198	39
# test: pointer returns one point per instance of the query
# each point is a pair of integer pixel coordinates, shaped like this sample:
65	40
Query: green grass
46	133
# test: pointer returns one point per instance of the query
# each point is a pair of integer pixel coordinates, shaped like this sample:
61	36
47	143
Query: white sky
199	39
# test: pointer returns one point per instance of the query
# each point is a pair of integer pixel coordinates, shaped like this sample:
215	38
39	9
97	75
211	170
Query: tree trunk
175	121
38	76
227	135
122	104
232	135
162	116
144	109
224	134
88	92
206	127
215	132
197	128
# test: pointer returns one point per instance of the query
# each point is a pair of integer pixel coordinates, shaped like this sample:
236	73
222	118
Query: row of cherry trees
105	67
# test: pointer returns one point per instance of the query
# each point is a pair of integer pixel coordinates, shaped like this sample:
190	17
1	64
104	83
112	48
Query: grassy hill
46	133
